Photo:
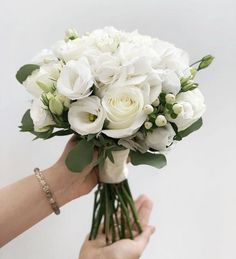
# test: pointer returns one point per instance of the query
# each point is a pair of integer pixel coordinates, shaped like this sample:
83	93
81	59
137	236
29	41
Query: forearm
24	204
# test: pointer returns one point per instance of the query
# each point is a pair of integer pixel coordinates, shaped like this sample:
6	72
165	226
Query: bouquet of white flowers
124	94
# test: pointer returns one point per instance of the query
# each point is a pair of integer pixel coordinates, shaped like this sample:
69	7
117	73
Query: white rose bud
156	102
170	98
160	138
148	109
71	34
161	121
148	125
55	106
177	108
193	108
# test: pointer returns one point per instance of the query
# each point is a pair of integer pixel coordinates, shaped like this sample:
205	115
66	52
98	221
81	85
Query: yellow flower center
92	117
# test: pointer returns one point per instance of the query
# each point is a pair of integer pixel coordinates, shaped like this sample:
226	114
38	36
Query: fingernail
153	229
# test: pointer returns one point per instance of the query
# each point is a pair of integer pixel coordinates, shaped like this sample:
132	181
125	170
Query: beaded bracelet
47	191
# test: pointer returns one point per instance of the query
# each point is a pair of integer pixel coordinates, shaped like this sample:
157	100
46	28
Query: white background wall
195	197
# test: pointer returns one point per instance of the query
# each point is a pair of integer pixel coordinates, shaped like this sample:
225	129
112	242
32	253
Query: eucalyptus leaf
61	133
110	155
80	156
184	133
26	122
26	71
91	136
43	135
154	160
174	126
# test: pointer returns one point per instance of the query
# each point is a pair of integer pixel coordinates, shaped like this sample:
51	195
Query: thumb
143	239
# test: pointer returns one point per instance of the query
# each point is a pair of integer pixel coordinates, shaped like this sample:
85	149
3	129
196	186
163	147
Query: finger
138	204
145	211
139	201
143	239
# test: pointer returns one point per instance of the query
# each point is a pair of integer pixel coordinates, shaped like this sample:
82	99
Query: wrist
59	184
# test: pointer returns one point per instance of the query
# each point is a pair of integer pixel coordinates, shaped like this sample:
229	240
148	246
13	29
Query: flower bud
170	98
148	109
46	88
156	102
44	99
148	125
71	34
64	100
205	62
177	108
193	72
161	121
49	95
55	106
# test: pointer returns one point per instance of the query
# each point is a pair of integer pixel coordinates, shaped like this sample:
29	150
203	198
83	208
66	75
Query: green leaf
154	160
27	123
91	136
25	71
61	133
174	126
110	155
184	133
80	156
43	135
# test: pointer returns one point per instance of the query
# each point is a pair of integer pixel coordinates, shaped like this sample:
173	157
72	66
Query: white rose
46	56
41	117
171	82
42	78
124	108
75	80
160	138
193	108
87	116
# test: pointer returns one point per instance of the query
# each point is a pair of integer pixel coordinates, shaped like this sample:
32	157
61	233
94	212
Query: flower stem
133	209
125	211
114	205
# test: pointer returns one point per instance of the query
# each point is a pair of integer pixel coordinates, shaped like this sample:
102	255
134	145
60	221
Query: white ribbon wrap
115	172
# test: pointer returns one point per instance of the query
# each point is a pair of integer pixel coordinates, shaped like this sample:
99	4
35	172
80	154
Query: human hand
126	248
67	185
